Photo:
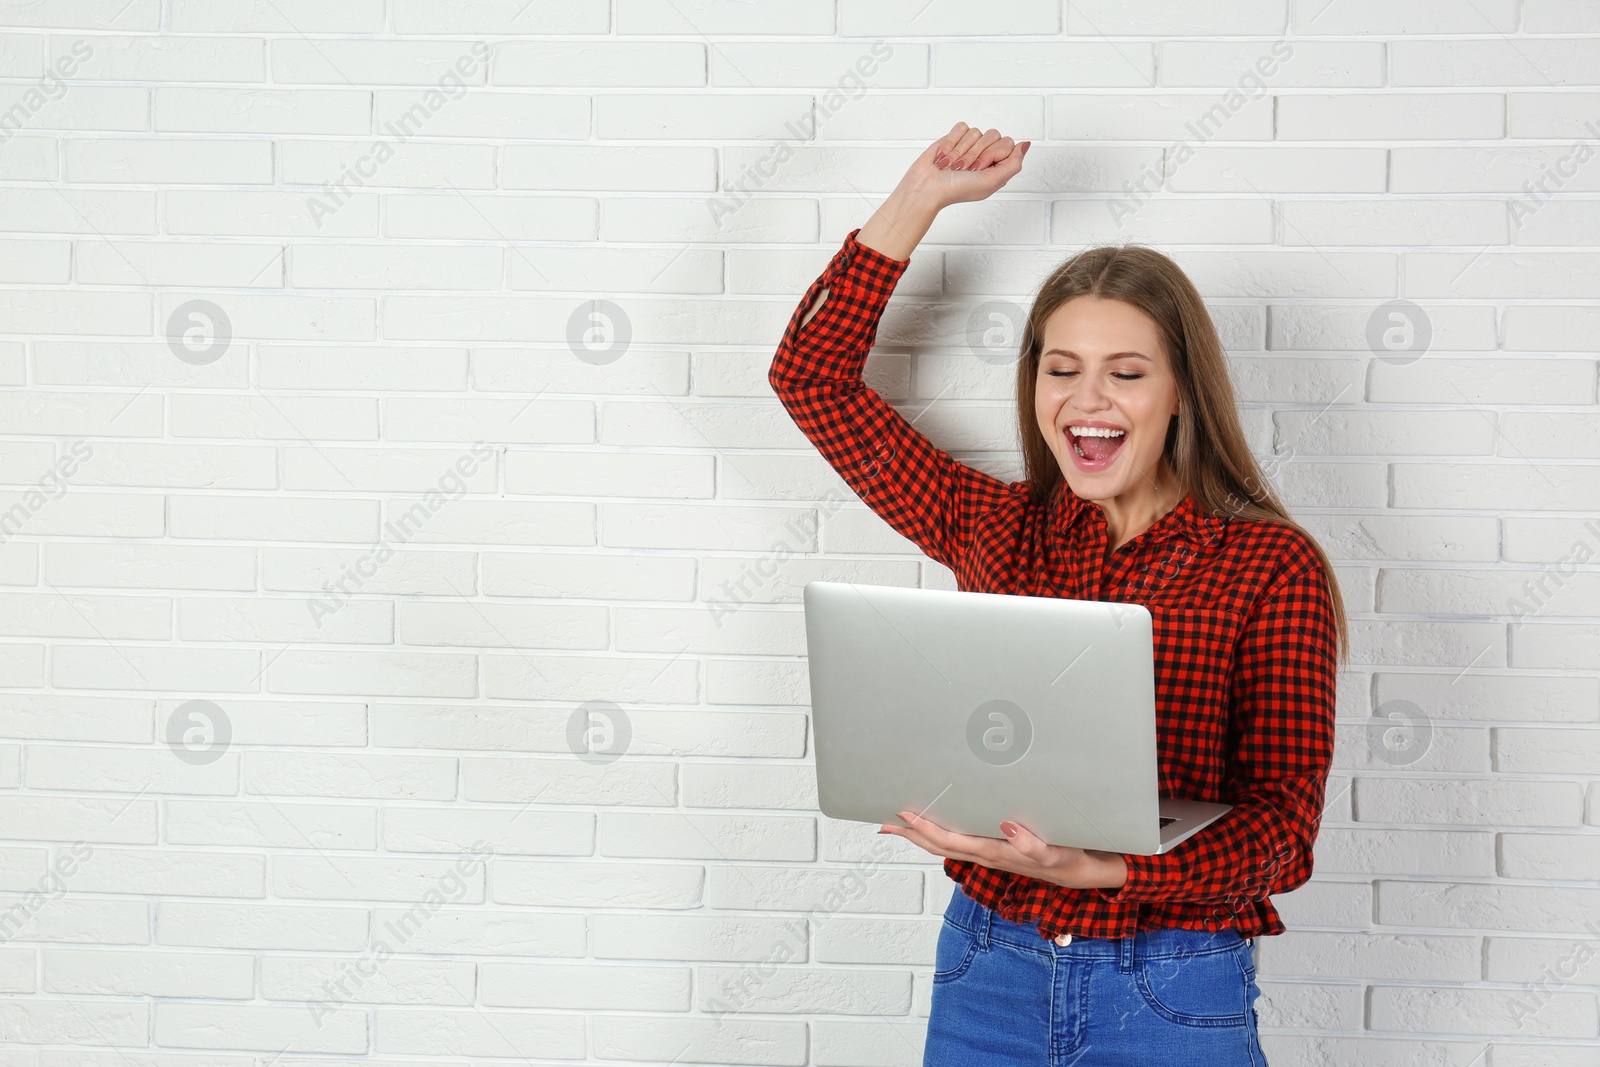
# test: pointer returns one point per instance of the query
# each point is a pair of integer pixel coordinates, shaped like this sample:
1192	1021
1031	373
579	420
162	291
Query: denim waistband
988	925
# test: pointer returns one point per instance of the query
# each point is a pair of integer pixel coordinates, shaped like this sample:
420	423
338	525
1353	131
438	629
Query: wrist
1093	869
1116	871
900	222
920	193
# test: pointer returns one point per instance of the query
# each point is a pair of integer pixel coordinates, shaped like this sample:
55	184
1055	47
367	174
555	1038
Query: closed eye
1070	373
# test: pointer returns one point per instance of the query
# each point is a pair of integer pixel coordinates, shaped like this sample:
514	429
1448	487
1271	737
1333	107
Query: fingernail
1008	829
882	831
960	165
939	159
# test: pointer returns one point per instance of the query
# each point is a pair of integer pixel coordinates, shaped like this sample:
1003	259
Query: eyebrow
1114	355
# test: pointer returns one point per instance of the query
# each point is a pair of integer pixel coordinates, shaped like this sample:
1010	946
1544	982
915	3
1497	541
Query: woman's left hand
1020	852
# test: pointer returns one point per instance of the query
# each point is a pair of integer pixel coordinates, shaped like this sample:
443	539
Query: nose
1088	396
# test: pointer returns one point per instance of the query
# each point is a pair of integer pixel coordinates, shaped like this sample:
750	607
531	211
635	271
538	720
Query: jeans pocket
1252	991
954	952
1204	989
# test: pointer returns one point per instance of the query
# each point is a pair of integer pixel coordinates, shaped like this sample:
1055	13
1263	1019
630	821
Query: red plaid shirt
1244	634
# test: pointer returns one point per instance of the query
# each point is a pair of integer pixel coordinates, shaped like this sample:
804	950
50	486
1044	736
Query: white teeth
1096	431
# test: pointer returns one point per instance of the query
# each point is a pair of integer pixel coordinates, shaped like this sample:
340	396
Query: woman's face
1102	363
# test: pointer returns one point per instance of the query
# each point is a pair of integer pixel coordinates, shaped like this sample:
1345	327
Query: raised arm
919	490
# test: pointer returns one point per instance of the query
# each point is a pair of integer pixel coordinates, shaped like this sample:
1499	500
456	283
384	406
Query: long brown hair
1205	445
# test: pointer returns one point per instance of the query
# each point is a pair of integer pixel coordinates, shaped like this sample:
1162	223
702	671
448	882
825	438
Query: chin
1090	488
1095	491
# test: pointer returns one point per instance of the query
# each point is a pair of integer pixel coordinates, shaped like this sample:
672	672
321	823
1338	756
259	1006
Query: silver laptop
970	708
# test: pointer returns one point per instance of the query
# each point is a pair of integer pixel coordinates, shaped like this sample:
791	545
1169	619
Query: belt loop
982	931
1125	954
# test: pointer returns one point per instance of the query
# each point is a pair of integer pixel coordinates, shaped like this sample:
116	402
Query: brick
1042	65
500	17
1188	118
1278	169
1299	63
844	66
1387	17
275	16
1495	61
1390	116
1501	169
864	18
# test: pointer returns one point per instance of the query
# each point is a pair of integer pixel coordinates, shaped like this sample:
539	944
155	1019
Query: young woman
1140	489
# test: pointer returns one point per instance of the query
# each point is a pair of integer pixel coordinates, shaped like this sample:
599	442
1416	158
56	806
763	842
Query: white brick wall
295	616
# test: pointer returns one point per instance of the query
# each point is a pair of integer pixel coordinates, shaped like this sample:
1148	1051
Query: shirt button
1064	939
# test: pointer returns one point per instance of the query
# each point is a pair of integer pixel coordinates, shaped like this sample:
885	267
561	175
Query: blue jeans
1005	997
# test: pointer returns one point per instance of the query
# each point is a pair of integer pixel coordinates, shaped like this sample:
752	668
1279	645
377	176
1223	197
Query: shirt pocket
1199	637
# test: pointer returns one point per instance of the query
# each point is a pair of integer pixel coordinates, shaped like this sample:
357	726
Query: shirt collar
1188	519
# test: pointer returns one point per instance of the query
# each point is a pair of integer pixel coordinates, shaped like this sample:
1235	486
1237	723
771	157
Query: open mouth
1094	447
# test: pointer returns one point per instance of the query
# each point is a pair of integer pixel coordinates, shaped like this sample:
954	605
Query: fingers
921	832
967	148
957	144
938	840
944	147
1024	840
1015	160
970	146
1026	859
992	151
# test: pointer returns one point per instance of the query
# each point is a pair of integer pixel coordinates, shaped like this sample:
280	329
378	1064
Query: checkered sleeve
919	490
1283	697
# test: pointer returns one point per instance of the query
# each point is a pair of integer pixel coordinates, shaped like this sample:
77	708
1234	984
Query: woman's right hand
987	162
964	165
